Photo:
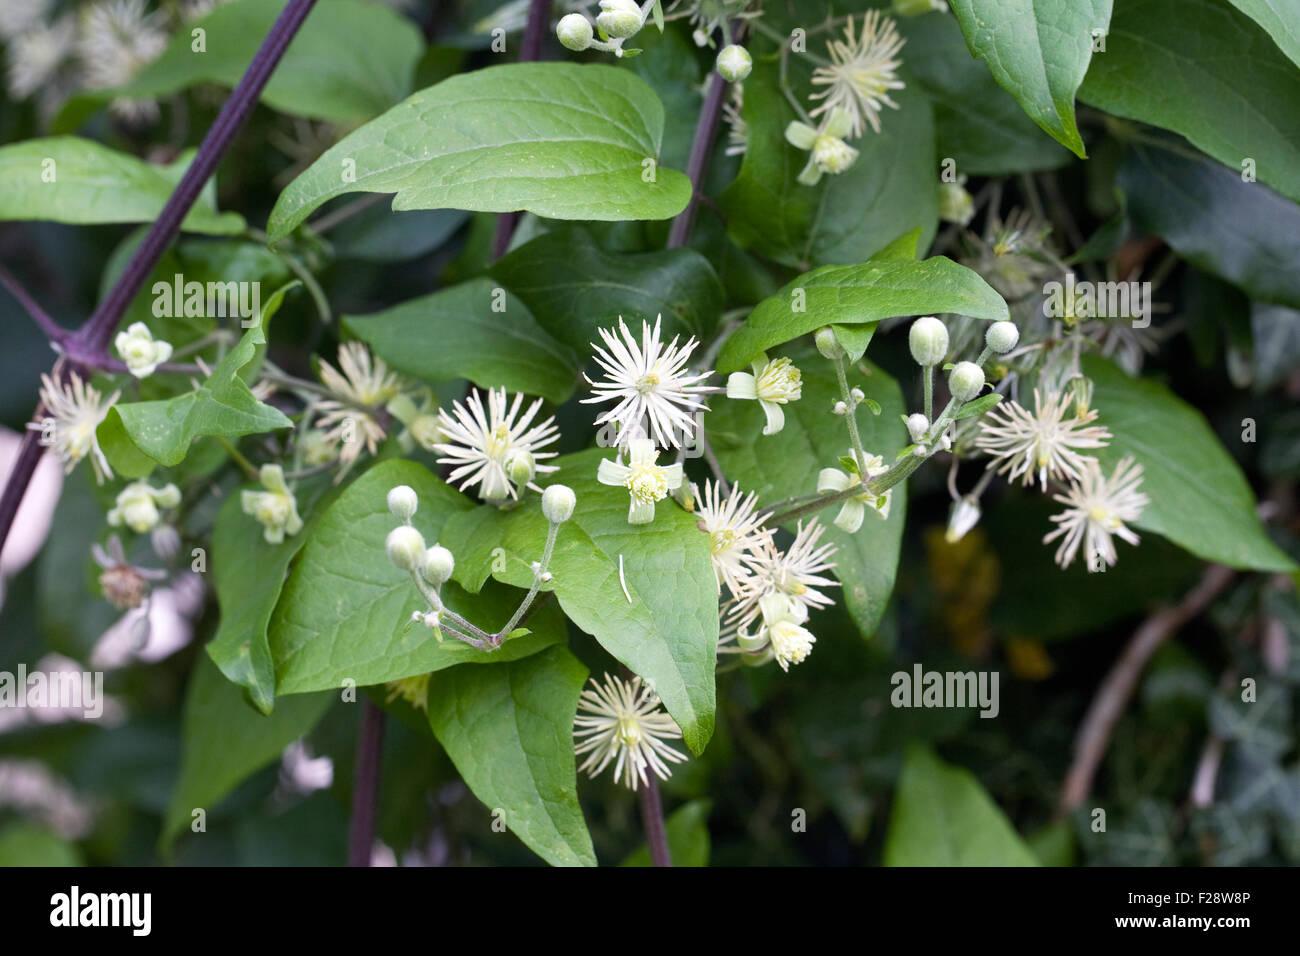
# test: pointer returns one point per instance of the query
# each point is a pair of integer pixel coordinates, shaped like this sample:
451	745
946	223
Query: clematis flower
829	152
275	509
773	383
645	481
855	509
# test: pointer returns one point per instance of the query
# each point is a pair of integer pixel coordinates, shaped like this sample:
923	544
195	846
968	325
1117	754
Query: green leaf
664	628
1202	69
26	845
475	330
943	817
81	182
1038	51
688	837
880	288
556	139
574	287
1242	232
1281	18
345	613
977	407
785	465
977	123
1200	500
137	435
509	731
249	574
348	62
226	741
846	217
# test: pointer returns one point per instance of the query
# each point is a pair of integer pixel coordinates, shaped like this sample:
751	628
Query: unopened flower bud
914	8
1002	337
928	340
558	502
828	344
402	502
839	408
956	204
521	466
437	566
965	381
917	426
405	547
574	32
965	515
619	19
734	63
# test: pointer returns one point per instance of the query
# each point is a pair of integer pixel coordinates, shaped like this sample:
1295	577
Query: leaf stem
47	325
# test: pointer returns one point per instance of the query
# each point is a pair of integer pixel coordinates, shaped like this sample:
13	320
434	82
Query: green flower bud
402	502
619	19
828	344
1002	337
965	381
575	32
405	547
928	339
734	63
437	565
521	467
558	502
956	204
917	426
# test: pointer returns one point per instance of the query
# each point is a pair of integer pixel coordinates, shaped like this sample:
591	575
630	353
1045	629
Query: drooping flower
74	411
737	128
645	481
141	352
275	509
782	630
656	397
482	445
125	586
1097	508
363	385
138	505
828	153
965	514
855	509
621	722
862	71
773	383
735	531
1045	443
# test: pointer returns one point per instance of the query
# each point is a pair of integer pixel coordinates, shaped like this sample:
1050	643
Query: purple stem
365	788
93	337
652	816
90	342
47	325
701	146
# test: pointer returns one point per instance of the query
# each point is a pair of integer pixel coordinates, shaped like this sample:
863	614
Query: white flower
138	504
795	573
141	352
645	481
855	509
655	397
75	411
118	38
35	57
861	73
364	384
773	383
965	515
480	443
622	722
829	152
1096	510
737	129
20	16
1045	442
275	508
736	534
782	630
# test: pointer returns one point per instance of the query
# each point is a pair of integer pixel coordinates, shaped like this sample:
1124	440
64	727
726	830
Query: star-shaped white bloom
74	412
1044	443
782	630
645	481
736	534
795	573
363	385
1096	509
862	71
656	397
621	722
773	384
855	509
485	447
